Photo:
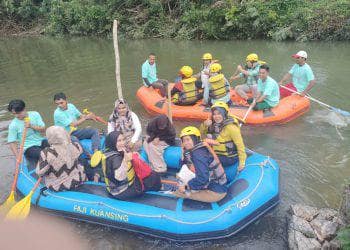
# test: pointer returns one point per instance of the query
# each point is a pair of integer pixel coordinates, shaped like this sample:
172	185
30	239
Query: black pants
33	153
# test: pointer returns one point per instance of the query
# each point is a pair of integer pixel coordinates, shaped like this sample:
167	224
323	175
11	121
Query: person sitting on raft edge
58	164
125	174
34	142
69	117
186	91
203	76
160	135
250	74
268	90
149	76
125	121
303	78
209	183
226	133
219	86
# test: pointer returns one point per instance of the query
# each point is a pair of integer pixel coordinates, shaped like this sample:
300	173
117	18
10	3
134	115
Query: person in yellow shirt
226	133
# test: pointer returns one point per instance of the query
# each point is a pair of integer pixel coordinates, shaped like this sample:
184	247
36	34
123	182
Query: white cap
301	53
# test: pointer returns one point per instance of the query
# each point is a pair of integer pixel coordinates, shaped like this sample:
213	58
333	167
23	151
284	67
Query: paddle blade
21	210
340	111
8	204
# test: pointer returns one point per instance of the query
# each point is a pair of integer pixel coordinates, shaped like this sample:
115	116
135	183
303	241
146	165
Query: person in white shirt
125	122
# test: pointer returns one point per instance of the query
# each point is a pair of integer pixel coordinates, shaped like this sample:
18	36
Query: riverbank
326	228
216	20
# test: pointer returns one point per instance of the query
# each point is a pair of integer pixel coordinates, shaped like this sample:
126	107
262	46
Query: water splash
330	117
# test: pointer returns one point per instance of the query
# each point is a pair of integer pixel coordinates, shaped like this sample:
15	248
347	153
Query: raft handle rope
162	216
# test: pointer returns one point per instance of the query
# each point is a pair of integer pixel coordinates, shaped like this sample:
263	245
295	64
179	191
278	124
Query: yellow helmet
207	56
252	57
187	71
220	104
215	67
190	130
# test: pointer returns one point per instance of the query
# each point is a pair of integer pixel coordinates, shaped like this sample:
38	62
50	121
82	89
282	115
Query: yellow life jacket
189	95
226	146
112	184
218	86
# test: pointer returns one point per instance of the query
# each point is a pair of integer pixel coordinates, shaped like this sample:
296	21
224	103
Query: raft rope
262	164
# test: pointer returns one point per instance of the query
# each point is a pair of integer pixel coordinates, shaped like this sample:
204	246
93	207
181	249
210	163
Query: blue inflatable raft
251	193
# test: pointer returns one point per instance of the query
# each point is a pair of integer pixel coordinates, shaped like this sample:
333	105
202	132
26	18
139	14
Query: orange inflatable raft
288	109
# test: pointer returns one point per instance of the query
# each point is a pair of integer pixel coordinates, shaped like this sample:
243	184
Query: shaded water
313	151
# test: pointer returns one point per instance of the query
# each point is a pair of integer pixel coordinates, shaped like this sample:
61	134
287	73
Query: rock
324	229
345	205
333	245
304	243
306	212
327	214
339	221
302	226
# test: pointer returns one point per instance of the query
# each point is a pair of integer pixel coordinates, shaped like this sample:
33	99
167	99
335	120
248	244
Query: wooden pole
117	60
170	113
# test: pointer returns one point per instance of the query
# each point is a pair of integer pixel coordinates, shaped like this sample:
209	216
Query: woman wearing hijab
126	122
58	164
160	135
226	132
126	176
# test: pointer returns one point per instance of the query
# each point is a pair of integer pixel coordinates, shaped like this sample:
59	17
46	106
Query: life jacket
226	146
219	87
114	186
189	95
216	171
255	65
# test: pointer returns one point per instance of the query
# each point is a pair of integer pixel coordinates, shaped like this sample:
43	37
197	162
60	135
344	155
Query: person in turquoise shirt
149	75
303	78
268	90
34	141
69	117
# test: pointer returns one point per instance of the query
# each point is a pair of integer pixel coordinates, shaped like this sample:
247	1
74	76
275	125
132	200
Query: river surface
312	151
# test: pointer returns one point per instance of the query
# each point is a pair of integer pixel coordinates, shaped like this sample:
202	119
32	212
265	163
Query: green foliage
185	19
344	237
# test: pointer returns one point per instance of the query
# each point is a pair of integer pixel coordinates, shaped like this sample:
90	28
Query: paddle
97	118
340	111
21	210
251	106
10	202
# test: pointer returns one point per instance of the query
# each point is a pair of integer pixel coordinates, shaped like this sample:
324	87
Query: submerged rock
305	212
345	205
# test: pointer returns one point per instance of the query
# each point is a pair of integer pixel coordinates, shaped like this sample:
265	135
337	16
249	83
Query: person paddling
34	142
268	91
69	117
303	78
250	73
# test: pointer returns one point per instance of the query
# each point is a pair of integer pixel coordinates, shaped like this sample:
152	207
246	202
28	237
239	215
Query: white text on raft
101	213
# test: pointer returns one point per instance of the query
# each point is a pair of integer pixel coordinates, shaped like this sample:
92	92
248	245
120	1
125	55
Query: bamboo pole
117	60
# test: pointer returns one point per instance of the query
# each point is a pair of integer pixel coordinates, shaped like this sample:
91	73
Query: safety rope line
162	216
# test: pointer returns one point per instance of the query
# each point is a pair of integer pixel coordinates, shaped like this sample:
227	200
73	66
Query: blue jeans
87	133
227	161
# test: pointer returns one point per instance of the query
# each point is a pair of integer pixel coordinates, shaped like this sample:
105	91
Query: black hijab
111	140
161	127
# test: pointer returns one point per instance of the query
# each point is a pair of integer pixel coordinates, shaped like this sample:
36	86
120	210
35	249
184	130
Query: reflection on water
313	151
